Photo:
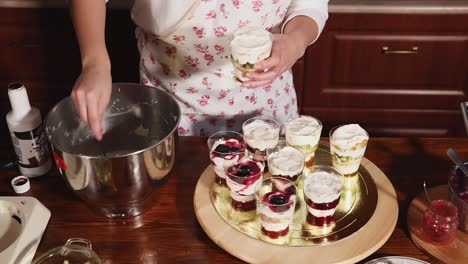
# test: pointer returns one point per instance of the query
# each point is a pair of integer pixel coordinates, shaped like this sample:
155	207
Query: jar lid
20	184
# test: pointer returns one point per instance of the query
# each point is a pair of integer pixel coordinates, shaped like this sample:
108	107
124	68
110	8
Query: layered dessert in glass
285	161
242	180
275	209
322	191
303	133
347	146
260	133
249	46
226	148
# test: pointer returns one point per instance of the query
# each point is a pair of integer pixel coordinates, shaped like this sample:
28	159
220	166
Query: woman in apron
184	49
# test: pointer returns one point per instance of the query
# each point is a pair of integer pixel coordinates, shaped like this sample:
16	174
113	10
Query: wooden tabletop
170	233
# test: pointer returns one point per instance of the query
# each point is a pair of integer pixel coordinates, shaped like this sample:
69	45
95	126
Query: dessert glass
249	46
322	191
242	180
260	133
285	161
303	133
226	148
347	146
440	222
275	208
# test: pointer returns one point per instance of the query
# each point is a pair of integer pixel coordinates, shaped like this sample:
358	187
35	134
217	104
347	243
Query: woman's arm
302	26
92	89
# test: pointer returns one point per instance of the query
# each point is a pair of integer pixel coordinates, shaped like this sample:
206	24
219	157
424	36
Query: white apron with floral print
192	62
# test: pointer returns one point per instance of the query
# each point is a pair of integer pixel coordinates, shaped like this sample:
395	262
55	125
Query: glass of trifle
242	179
303	133
226	148
347	146
322	191
260	133
249	45
285	161
275	208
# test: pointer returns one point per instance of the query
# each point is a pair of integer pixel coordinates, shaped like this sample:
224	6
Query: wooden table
170	233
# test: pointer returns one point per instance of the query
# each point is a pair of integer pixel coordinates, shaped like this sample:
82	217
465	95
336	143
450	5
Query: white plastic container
27	133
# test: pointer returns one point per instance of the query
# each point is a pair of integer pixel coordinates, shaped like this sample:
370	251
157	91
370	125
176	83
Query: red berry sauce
275	234
321	221
244	207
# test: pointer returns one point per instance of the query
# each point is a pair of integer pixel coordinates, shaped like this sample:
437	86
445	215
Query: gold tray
357	205
348	243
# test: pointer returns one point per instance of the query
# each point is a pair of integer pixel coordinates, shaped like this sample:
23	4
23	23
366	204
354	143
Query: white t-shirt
160	16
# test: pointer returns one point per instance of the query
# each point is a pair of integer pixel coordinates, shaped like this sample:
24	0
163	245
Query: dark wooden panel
38	47
357	73
453	23
122	46
393	122
347	76
428	62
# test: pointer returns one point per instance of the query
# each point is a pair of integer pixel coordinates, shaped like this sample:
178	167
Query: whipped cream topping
250	45
348	136
322	187
303	126
261	135
286	161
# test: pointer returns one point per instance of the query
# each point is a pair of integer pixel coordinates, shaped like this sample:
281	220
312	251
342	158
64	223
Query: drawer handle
24	45
412	51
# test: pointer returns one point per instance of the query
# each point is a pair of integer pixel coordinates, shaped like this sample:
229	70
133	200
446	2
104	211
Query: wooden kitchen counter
170	233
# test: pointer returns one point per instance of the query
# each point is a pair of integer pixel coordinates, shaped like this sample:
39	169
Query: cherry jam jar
440	222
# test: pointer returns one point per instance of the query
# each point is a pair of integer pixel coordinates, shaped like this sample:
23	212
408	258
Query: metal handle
84	241
464	110
24	45
412	51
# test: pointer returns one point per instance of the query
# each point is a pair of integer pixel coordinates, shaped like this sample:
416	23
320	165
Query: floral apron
192	62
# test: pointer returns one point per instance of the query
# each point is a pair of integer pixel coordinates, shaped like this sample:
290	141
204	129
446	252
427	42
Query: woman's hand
91	94
286	50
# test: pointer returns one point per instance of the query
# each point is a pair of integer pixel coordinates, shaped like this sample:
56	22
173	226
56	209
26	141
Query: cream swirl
287	161
261	135
322	187
250	45
348	136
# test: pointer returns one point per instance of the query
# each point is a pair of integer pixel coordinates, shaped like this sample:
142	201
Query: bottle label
31	147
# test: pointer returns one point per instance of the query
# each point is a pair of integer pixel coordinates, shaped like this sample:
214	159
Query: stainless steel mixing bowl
116	176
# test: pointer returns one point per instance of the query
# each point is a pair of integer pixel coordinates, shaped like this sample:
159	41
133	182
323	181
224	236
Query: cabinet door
392	81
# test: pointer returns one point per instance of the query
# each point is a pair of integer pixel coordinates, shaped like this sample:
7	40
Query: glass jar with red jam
440	222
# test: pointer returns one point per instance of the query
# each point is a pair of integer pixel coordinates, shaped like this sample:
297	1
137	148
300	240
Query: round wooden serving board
454	252
351	249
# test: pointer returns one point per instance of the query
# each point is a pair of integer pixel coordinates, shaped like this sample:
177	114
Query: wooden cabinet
395	74
38	47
